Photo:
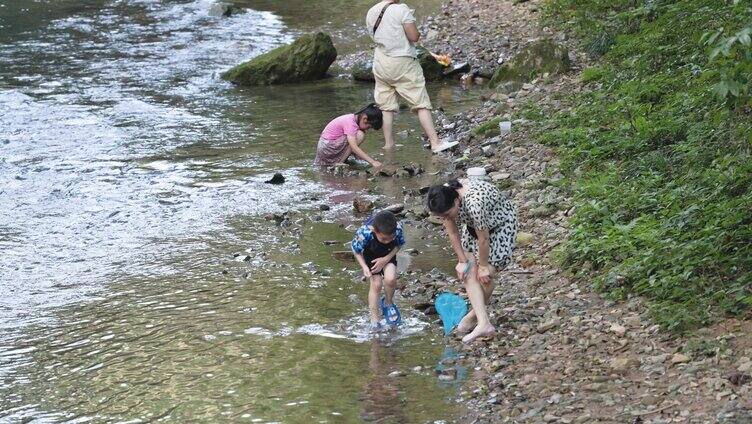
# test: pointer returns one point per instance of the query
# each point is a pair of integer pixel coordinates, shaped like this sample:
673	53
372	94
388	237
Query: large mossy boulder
543	56
306	59
432	69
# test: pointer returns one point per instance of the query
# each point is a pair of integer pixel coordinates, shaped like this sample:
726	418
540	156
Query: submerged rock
544	56
221	9
363	71
306	59
344	255
276	179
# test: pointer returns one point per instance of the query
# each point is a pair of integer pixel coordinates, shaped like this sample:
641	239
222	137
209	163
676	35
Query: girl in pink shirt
343	136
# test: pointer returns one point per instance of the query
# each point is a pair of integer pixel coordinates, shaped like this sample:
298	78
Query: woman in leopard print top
481	224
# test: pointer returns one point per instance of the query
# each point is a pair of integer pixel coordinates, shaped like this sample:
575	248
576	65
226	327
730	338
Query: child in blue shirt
375	246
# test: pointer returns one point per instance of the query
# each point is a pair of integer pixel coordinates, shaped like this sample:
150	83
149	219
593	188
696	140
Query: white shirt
390	37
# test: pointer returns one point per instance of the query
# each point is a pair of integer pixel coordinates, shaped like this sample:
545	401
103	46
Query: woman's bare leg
388	128
479	295
426	121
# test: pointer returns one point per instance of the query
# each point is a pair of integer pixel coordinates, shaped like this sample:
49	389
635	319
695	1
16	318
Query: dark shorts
370	258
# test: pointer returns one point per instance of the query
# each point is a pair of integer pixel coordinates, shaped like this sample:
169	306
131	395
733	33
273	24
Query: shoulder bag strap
381	16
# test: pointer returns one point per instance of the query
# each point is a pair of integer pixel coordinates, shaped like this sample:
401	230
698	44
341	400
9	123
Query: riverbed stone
432	69
276	179
624	364
306	59
221	9
362	70
361	205
543	56
524	239
679	358
344	255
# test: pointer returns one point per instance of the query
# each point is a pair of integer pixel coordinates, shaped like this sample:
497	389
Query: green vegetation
488	129
658	153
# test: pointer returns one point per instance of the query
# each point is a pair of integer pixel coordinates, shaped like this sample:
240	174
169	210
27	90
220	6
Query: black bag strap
381	16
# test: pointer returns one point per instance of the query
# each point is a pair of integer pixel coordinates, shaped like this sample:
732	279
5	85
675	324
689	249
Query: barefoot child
375	246
343	136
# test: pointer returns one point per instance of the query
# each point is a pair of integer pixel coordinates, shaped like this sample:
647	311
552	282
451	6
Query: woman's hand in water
484	274
461	269
376	164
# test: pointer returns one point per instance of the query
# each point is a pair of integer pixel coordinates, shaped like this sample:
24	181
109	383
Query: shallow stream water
131	178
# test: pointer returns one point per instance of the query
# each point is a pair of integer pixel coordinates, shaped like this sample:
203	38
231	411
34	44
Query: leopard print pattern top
485	207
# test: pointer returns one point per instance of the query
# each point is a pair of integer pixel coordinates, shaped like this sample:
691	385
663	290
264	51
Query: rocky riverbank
562	353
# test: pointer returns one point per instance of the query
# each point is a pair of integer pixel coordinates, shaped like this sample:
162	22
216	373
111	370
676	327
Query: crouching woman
482	227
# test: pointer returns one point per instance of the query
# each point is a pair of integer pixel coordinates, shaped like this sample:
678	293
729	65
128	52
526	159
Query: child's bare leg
390	282
373	298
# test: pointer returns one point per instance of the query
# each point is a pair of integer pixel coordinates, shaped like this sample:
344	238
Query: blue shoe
391	313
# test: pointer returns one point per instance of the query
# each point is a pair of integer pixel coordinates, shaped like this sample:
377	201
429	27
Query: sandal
391	313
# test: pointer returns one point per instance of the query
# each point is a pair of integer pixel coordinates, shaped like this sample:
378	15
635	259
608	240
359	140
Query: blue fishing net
451	309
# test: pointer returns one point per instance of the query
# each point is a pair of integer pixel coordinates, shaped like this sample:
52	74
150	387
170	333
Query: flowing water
139	279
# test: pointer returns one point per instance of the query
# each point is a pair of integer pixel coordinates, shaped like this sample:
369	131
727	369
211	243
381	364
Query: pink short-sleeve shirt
341	126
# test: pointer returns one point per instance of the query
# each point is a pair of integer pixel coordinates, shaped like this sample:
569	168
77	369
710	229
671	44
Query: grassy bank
658	152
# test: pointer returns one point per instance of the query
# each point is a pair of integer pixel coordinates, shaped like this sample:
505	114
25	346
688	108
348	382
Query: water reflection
132	183
381	395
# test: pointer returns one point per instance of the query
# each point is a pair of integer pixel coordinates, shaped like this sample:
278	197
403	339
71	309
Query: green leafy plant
659	155
733	55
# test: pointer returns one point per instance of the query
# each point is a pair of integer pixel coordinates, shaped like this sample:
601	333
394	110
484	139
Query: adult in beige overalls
397	70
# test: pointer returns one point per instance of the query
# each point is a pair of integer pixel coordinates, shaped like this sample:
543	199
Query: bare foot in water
486	331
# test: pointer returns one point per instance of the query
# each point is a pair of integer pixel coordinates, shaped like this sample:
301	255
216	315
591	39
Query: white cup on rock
476	173
505	127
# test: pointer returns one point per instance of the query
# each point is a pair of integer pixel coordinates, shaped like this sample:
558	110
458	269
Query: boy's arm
357	245
362	261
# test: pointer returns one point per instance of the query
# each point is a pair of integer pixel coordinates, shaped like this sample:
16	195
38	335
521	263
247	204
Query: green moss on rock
489	128
544	56
306	59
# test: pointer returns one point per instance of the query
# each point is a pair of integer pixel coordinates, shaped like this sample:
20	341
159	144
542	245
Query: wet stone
448	374
344	255
276	179
361	205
